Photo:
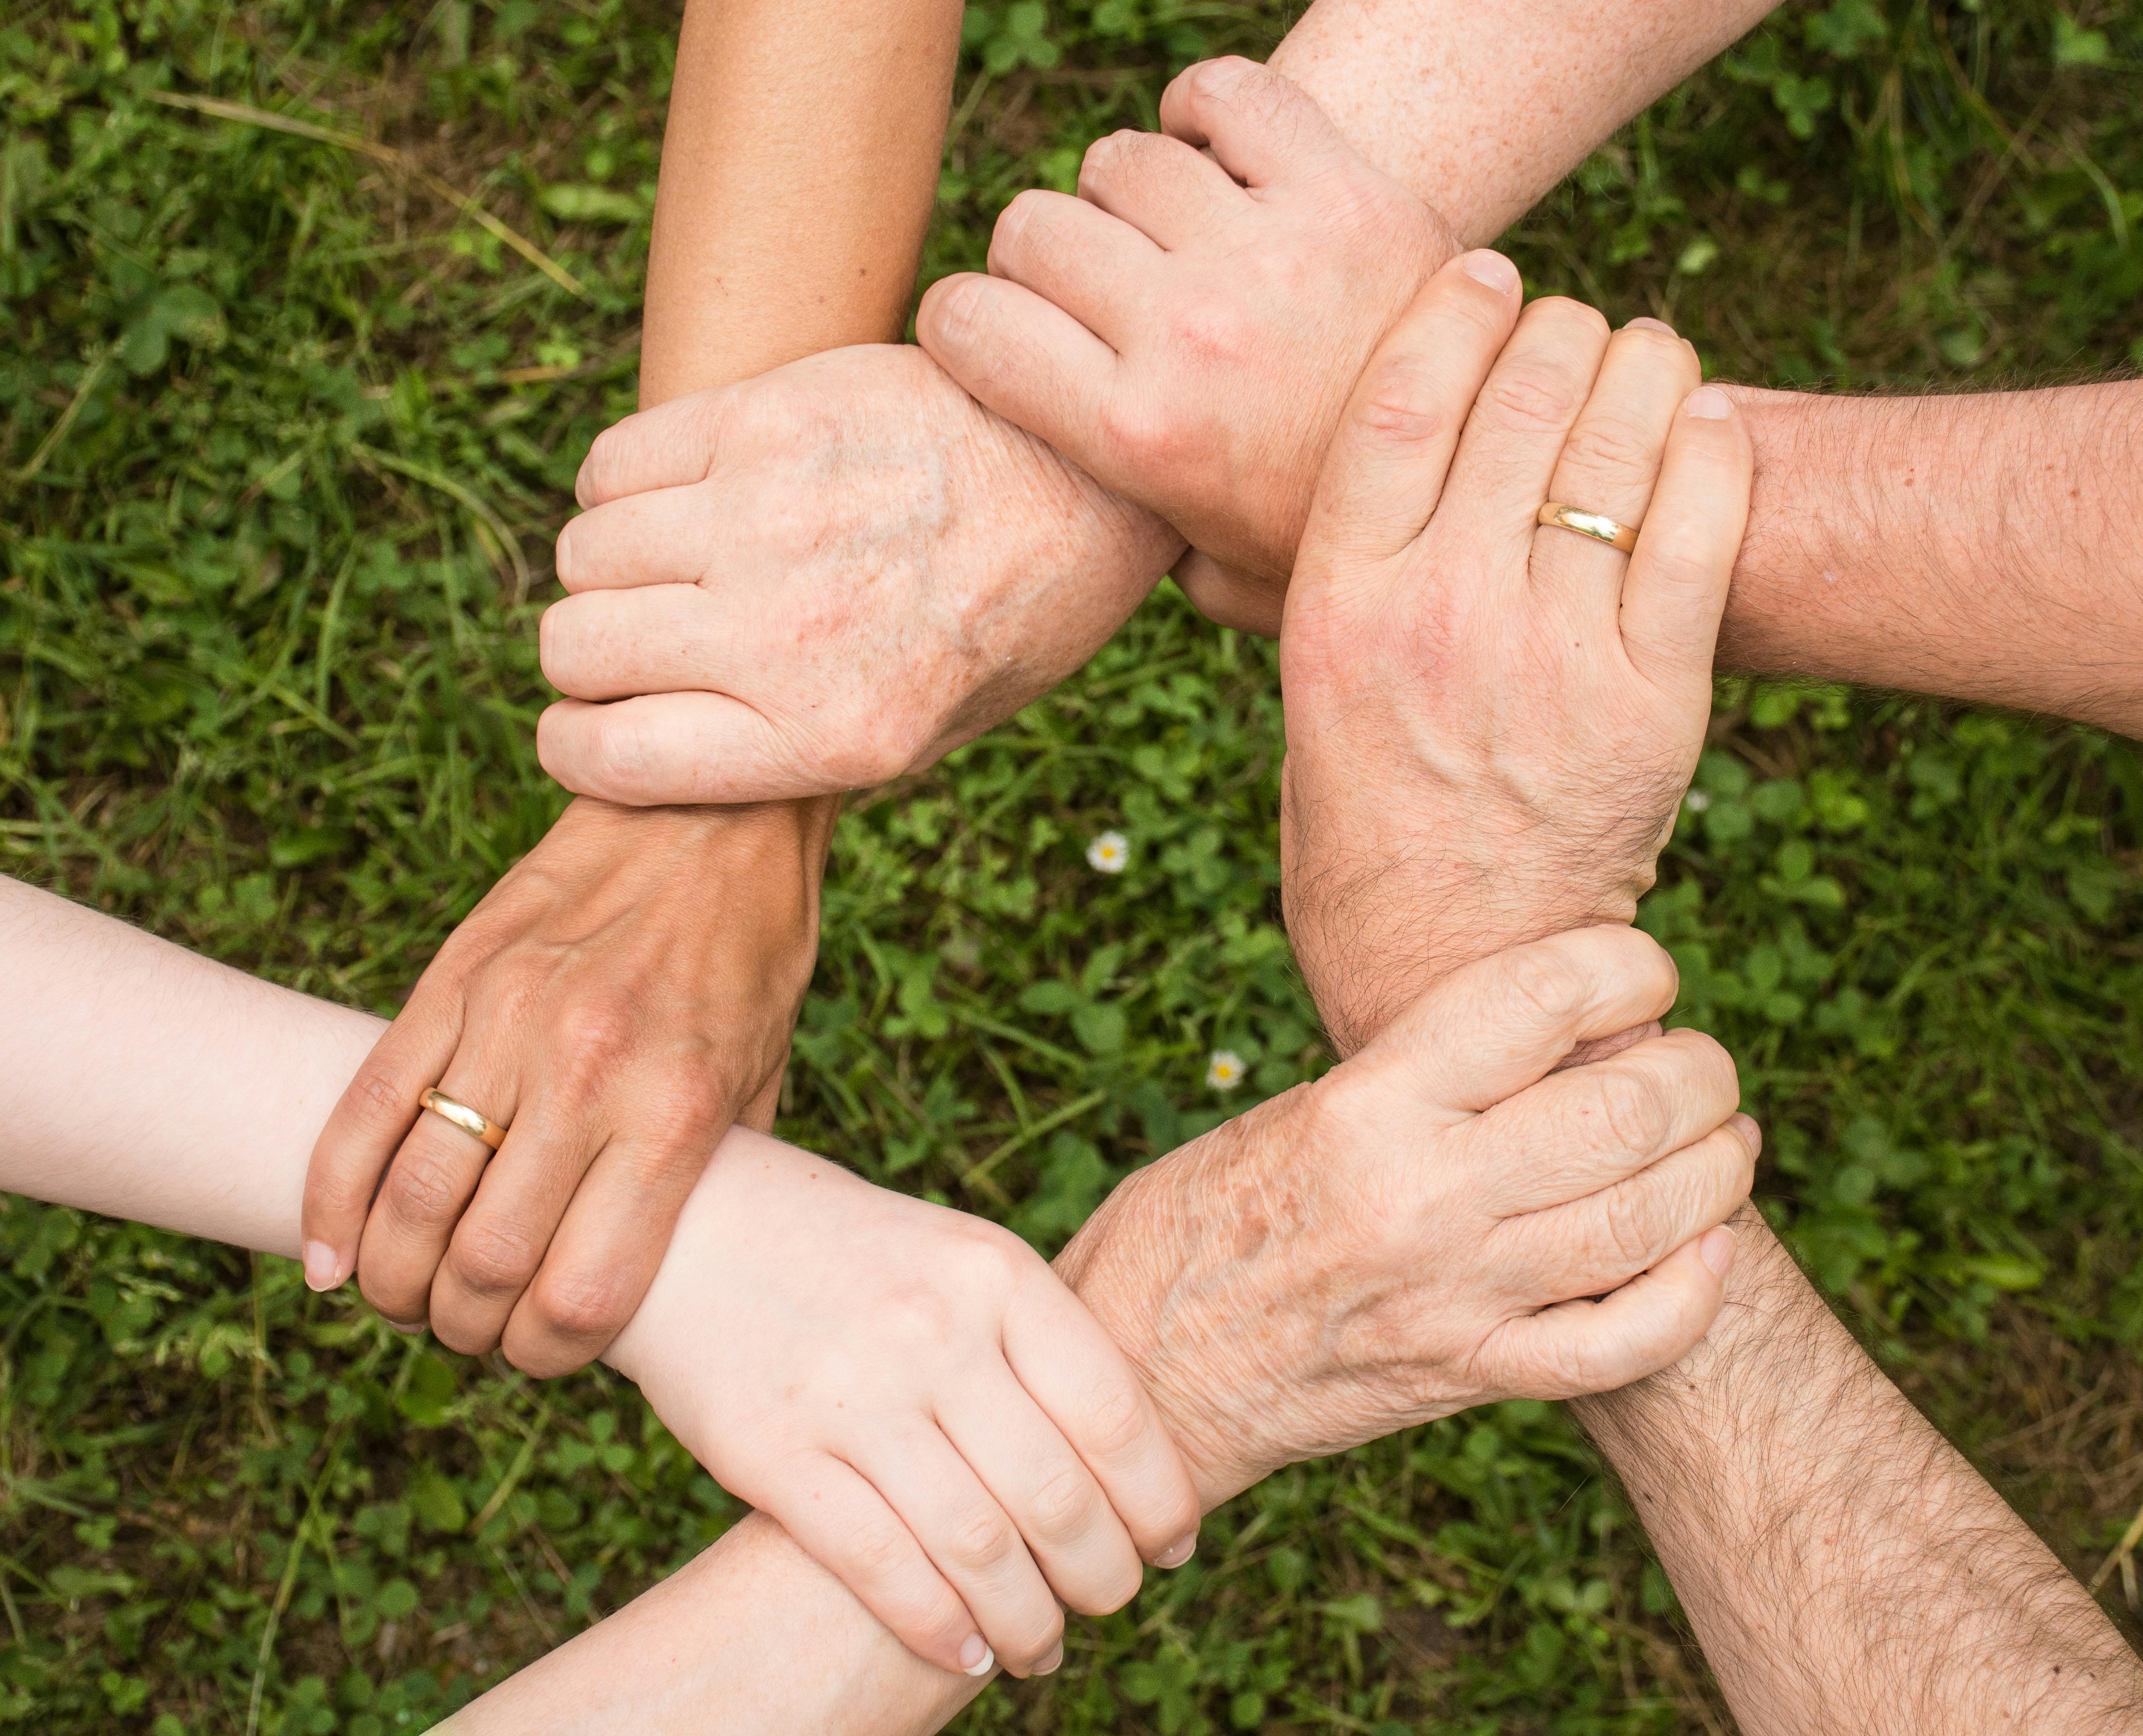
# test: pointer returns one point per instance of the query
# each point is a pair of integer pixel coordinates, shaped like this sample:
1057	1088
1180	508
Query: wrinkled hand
1491	724
917	1398
819	579
1423	1228
1188	328
616	1001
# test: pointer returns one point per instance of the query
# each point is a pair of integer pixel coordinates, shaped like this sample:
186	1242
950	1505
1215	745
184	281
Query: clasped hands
828	576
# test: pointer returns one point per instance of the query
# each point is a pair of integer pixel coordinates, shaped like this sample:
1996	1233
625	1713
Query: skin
1451	1210
1844	1567
626	993
1004	573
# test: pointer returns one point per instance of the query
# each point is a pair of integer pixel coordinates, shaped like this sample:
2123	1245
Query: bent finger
1229	598
1384	471
675	750
1493	1028
1021	355
1261	127
841	1522
374	1115
614	645
1170	191
1097	268
1675	593
1586	1128
663	536
1602	1241
667	447
1650	1323
1087	1387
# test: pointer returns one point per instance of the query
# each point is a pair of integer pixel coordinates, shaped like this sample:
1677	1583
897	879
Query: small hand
616	1001
1188	328
1437	1223
819	579
918	1401
1491	722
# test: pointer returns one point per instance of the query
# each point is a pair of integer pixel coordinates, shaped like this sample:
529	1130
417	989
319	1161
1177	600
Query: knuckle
1115	1420
1627	1227
581	1306
1543	981
1629	1106
380	1100
980	1540
1398	403
492	1260
423	1190
878	1551
1530	396
1217	331
590	1035
1063	1507
1610	445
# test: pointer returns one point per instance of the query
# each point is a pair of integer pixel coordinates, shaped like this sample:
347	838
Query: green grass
271	412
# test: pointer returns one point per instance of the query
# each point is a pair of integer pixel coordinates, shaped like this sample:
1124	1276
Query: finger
1385	470
667	447
662	536
1023	1460
1676	592
1100	271
1515	434
971	1540
1610	463
1261	126
758	1114
431	1182
1587	1128
1088	1389
614	645
1020	355
373	1116
846	1525
499	1241
1168	190
1594	1244
610	1242
1493	1028
680	749
1648	1324
1229	598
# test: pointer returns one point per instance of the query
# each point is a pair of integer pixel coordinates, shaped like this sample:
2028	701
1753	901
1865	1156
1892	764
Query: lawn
309	310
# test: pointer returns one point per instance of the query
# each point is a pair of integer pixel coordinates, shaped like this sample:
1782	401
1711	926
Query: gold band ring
1598	525
471	1121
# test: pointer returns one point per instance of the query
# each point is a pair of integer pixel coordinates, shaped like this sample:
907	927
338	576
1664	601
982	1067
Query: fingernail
323	1267
412	1328
1178	1552
1716	1250
1708	403
1485	266
1051	1664
976	1657
1746	1126
1645	323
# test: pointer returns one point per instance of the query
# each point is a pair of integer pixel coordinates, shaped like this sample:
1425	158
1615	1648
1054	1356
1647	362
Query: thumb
1261	127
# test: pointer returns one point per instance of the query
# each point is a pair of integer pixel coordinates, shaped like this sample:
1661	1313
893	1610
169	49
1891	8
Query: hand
1188	328
615	1000
819	580
1420	1230
911	1393
1490	723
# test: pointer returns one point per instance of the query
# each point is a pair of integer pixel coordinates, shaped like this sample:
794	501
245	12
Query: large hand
819	579
915	1398
1491	723
1424	1228
617	1000
1189	328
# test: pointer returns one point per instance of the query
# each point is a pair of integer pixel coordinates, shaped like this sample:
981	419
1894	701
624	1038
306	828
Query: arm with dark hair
1843	1566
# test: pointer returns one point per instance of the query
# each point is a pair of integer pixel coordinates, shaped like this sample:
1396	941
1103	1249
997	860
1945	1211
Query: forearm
1479	108
1979	547
799	168
1844	1568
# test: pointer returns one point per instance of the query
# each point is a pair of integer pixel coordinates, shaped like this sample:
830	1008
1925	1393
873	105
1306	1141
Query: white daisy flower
1225	1071
1697	800
1110	853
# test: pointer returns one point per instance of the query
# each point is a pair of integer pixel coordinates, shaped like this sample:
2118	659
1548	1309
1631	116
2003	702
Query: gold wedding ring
1598	525
473	1122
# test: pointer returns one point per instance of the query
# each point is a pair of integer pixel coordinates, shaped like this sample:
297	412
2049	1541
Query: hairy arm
1843	1566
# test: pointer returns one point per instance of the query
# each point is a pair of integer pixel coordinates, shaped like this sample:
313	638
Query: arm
1417	1270
998	568
664	954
